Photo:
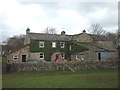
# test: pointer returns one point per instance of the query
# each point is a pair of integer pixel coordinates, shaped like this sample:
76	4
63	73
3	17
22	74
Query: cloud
16	16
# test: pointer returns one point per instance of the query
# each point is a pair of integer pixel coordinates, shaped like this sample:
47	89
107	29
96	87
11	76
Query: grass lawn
61	79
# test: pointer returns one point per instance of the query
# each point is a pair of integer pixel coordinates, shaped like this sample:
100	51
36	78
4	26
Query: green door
56	56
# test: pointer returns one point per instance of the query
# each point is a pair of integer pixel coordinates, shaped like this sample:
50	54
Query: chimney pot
84	31
28	30
63	33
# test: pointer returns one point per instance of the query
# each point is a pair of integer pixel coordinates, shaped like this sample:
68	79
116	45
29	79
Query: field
62	79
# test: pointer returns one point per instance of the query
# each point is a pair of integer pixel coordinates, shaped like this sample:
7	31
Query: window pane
63	55
70	47
62	44
76	56
82	56
41	55
41	44
15	57
53	44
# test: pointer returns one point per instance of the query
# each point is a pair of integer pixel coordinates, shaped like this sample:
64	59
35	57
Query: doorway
57	56
23	58
99	56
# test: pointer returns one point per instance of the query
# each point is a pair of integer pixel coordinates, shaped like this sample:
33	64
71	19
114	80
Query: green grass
65	79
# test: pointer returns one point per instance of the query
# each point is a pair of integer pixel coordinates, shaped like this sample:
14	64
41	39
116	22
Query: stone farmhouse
49	47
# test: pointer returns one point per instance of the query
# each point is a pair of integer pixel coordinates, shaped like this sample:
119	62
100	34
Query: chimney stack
63	33
28	31
84	31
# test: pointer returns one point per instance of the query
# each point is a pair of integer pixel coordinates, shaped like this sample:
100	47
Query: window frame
15	57
53	44
42	43
63	55
63	44
70	47
76	56
82	57
42	55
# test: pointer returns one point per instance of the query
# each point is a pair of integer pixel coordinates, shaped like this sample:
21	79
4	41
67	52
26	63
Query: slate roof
99	38
59	37
48	37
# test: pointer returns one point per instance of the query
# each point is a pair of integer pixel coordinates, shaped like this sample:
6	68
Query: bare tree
50	30
114	38
14	43
96	29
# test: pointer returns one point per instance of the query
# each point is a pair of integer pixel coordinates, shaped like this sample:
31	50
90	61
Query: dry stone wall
53	66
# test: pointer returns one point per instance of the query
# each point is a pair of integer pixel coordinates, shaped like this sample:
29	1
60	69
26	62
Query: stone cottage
50	47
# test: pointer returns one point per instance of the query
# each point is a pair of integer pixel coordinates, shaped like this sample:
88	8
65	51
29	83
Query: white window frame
82	57
63	55
15	56
42	55
54	44
70	47
61	44
41	42
76	56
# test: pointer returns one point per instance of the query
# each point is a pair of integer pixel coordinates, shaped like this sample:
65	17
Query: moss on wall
48	50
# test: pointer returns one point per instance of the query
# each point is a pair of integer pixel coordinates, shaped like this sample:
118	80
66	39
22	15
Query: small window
15	57
70	47
76	56
41	44
41	55
54	44
63	55
62	44
82	56
24	50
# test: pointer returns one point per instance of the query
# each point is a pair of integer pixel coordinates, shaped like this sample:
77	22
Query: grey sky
16	16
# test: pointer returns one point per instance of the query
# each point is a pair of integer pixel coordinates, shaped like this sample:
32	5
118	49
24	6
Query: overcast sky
73	17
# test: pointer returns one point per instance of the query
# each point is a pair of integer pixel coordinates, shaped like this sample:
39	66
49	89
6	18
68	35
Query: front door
99	56
57	56
23	58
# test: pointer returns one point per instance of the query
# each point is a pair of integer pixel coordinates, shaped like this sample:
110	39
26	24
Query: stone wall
113	55
84	37
36	56
19	53
106	44
87	55
53	66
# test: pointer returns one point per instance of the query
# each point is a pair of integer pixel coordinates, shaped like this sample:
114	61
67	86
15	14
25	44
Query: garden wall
53	66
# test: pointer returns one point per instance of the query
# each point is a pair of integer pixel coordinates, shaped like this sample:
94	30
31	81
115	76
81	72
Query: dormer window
53	44
62	44
41	44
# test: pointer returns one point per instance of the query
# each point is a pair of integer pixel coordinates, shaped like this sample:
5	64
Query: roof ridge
43	33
